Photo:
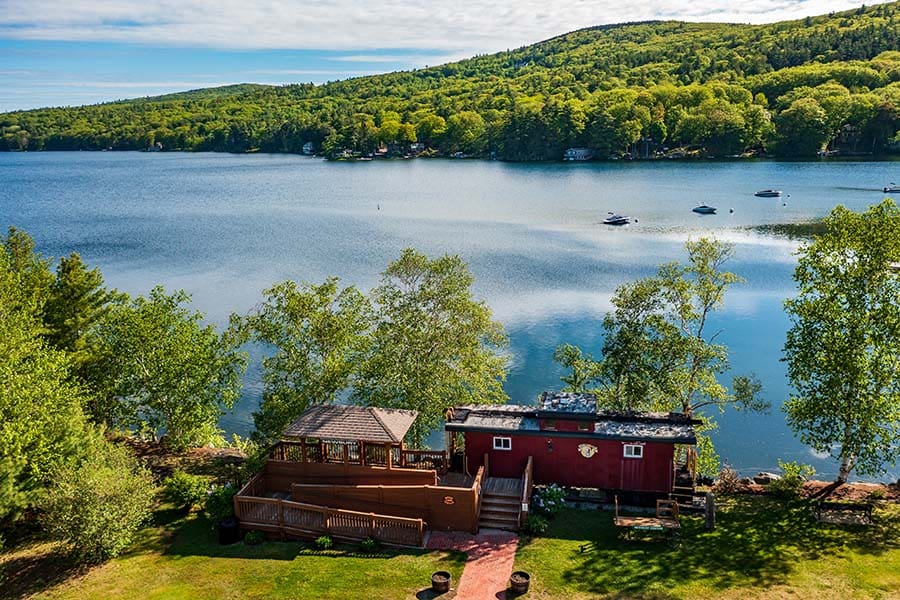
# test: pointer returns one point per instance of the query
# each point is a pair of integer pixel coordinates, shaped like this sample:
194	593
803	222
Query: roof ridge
374	410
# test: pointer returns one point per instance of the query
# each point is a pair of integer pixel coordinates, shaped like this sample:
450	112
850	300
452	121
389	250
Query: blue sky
69	52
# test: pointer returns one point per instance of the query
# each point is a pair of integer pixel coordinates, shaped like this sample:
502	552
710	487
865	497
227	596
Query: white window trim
633	447
501	439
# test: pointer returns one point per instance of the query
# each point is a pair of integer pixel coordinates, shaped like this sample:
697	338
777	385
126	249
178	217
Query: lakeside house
344	471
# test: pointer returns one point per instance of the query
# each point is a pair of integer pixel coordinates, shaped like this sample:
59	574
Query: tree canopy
433	344
843	347
158	367
319	334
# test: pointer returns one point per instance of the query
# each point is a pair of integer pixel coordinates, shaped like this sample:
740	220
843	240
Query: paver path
489	563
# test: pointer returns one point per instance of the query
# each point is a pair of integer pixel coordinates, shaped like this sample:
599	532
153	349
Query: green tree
41	423
160	368
803	129
31	269
77	300
465	132
97	505
843	347
433	345
319	333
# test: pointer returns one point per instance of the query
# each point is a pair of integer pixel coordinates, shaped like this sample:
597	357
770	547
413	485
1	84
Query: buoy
731	210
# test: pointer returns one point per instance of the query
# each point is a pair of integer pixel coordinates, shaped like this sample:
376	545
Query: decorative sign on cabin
587	450
449	500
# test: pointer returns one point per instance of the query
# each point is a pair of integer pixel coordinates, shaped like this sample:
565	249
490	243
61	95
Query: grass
178	558
761	548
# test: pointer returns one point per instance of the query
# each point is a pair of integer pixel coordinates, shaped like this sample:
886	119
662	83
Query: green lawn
761	548
178	558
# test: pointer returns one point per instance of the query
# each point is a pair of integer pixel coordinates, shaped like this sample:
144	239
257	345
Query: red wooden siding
557	460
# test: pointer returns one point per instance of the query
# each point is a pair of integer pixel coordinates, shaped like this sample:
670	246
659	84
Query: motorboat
892	189
614	219
703	209
768	194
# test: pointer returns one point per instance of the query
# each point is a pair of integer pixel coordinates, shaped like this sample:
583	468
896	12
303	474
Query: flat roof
526	420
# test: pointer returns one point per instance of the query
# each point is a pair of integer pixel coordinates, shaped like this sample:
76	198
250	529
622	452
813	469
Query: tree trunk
845	468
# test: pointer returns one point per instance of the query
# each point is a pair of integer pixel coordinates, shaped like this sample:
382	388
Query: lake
224	227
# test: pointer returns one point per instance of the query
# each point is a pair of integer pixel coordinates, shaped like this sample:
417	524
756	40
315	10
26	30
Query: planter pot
229	531
440	582
519	582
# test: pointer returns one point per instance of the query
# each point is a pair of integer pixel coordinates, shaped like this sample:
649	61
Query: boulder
764	478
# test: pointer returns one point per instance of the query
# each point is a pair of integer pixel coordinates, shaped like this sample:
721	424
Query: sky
72	52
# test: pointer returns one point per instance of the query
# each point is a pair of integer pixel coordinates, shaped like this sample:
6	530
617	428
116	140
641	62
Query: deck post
389	455
345	453
303	450
362	452
487	460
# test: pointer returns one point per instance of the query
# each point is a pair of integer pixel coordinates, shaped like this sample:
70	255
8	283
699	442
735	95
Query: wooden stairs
501	504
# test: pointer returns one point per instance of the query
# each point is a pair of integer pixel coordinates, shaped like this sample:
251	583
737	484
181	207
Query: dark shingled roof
365	423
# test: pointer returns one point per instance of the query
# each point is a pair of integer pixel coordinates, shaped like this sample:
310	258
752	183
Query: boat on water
704	209
768	194
892	189
614	219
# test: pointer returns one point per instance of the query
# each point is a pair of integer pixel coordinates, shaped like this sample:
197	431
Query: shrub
728	482
876	494
324	542
185	490
98	505
792	478
220	502
369	545
535	525
254	537
548	500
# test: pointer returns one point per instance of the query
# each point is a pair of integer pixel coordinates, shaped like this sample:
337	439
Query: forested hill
791	88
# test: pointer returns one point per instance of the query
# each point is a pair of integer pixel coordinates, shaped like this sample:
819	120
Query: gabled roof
352	423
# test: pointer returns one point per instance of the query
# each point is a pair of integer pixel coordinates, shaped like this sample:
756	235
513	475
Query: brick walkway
489	563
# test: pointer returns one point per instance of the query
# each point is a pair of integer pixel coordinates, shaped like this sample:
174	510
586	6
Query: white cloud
468	25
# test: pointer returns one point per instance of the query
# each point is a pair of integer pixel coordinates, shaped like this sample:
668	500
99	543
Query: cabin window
582	426
634	451
502	443
550	425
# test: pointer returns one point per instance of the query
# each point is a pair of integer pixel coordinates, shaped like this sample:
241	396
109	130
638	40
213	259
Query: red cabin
573	445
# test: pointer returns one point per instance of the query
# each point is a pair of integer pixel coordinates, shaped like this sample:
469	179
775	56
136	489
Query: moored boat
614	219
768	194
704	209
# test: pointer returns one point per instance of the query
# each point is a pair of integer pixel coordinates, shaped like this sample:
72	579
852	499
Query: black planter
229	531
519	582
440	582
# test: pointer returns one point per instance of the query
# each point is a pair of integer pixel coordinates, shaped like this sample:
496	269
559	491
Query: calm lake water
224	227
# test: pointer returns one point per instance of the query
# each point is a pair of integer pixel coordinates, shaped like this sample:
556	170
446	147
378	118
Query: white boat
768	194
614	219
704	209
892	189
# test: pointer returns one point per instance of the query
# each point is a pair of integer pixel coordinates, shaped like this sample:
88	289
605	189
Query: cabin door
633	474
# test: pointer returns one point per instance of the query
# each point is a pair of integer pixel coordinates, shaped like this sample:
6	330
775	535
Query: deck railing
360	453
527	483
308	520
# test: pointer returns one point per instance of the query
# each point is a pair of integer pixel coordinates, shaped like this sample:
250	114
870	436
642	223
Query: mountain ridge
620	88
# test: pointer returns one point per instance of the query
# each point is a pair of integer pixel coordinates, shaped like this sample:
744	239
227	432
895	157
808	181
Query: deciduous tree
434	345
843	347
319	334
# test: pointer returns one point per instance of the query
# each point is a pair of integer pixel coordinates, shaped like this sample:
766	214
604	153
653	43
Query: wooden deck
503	486
456	480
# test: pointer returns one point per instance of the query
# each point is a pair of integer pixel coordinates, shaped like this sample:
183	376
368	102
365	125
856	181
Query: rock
763	478
746	481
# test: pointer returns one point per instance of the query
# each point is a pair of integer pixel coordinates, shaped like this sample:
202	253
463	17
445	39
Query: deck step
494	524
488	513
504	500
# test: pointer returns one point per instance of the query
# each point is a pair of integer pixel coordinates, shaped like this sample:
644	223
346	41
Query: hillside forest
829	84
